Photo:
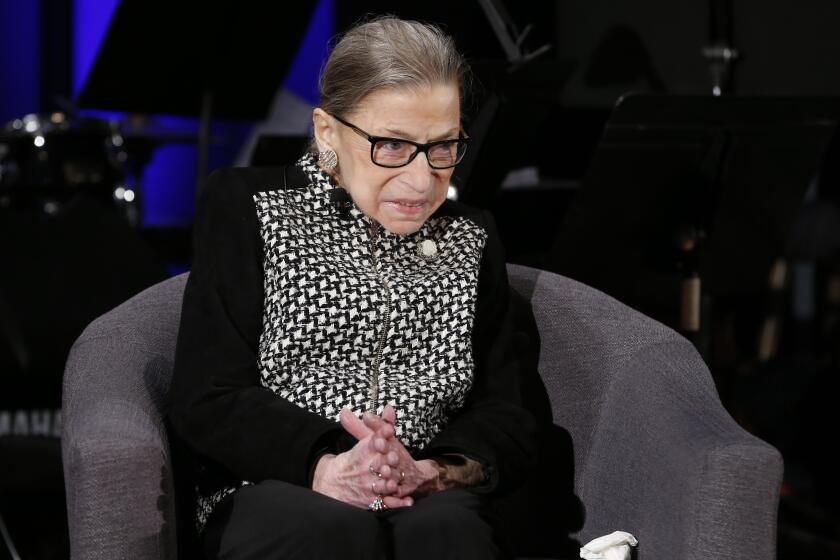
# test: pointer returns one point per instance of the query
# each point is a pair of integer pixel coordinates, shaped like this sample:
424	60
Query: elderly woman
346	378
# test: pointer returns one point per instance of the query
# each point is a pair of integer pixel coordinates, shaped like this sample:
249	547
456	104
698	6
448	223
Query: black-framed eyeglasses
399	152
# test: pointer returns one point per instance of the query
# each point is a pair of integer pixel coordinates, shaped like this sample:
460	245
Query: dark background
70	252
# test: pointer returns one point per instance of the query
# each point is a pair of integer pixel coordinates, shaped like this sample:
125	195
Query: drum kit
48	159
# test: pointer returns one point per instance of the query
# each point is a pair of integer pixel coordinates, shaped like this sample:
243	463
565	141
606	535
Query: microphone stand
720	53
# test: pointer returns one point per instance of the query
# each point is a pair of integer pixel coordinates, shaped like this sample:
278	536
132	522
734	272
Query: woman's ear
323	129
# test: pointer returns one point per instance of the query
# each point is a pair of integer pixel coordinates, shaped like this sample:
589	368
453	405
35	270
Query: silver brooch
427	250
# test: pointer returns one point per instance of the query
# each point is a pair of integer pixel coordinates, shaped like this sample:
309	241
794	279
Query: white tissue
615	546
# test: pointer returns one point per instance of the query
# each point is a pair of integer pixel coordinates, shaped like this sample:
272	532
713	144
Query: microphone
342	202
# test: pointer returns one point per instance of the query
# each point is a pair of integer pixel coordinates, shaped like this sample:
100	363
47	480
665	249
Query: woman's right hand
347	476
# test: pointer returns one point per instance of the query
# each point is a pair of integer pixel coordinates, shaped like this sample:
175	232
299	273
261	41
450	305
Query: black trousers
274	520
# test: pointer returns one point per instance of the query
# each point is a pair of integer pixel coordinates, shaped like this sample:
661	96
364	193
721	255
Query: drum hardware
45	160
689	241
769	333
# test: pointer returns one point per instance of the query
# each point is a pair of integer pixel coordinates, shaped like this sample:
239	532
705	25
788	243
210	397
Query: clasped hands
378	465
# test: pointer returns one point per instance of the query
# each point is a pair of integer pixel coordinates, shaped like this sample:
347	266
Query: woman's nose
421	175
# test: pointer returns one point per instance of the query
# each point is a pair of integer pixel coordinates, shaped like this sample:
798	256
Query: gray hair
388	52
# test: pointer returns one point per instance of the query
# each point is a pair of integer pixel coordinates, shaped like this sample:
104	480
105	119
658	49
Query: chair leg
7	540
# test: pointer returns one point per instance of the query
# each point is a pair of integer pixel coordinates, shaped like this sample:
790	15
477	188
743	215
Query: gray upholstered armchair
655	453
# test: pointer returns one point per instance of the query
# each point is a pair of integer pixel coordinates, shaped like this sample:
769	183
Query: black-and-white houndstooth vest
356	316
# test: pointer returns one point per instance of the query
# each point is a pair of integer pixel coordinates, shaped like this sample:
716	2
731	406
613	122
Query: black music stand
726	174
219	59
502	132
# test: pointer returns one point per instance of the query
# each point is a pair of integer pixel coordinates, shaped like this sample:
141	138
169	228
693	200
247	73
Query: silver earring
328	159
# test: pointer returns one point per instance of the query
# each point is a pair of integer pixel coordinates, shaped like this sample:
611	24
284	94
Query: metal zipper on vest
374	382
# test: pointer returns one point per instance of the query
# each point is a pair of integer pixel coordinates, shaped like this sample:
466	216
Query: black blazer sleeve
494	427
217	406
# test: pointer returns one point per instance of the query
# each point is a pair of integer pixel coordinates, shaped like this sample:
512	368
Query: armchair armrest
667	463
115	453
655	452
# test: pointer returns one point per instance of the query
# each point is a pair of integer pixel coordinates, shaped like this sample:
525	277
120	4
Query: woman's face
400	199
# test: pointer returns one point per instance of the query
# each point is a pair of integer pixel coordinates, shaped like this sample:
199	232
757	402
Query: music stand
223	60
502	131
733	169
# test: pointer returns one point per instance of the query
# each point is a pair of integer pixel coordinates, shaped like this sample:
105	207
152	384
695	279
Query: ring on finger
374	472
378	504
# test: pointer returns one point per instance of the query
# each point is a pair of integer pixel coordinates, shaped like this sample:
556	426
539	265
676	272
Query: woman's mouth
408	207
